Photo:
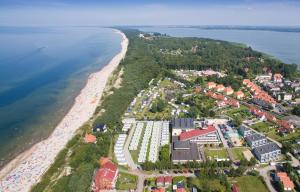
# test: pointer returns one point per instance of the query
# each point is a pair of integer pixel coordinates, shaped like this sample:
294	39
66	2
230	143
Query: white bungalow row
136	136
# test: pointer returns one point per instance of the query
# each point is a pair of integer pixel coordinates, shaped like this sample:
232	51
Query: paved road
264	172
127	154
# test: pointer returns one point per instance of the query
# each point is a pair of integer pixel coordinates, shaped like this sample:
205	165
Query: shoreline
28	167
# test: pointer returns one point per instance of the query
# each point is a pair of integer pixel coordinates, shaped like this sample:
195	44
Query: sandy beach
27	168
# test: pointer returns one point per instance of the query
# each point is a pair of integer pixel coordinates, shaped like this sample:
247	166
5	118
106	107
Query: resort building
255	140
267	153
184	151
206	135
182	125
105	177
245	131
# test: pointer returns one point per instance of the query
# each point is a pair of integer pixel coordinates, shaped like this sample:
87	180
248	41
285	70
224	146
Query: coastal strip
27	168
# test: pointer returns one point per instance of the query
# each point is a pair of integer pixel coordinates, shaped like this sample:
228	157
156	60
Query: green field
263	127
220	153
238	152
289	137
249	184
126	181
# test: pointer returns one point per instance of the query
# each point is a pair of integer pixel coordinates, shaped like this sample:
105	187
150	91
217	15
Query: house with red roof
220	88
90	138
228	91
277	77
285	126
105	177
160	181
288	184
239	94
168	180
211	85
246	81
207	135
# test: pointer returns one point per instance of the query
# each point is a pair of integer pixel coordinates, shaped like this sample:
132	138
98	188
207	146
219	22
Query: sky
147	12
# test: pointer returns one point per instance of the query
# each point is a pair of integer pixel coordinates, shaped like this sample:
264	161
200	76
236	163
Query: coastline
27	168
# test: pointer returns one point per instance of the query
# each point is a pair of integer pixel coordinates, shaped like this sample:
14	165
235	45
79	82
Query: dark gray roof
183	123
186	154
254	137
267	148
181	145
243	128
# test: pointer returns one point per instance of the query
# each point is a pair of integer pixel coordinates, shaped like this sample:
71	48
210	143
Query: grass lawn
263	127
289	137
220	153
249	184
205	184
238	152
241	113
126	181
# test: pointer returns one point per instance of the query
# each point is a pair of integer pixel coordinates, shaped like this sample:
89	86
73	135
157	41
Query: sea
282	45
42	70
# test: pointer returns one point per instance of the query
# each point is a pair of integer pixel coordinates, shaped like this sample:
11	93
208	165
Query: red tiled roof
180	190
196	132
285	124
285	179
106	175
168	179
89	138
160	179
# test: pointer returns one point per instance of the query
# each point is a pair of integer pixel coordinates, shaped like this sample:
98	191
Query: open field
262	127
249	184
289	137
126	181
238	152
220	153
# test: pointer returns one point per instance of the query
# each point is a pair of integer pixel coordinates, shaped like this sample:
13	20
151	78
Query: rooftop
267	148
197	132
183	123
255	137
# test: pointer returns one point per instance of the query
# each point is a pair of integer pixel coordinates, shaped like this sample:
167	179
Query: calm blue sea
41	72
282	45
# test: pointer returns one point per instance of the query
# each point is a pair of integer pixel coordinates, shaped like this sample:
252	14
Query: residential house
89	138
220	88
277	77
288	184
239	95
211	85
228	91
